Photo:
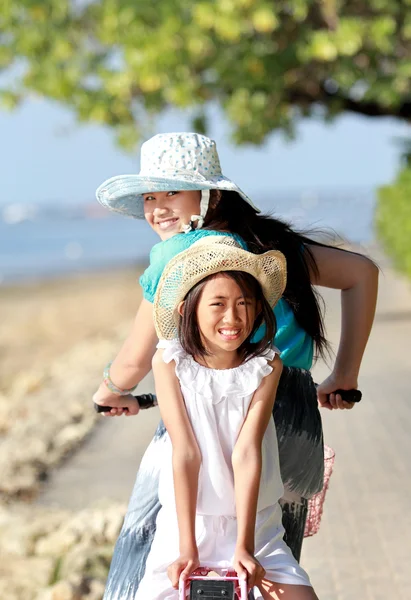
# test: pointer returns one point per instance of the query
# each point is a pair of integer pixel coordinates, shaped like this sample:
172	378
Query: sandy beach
40	321
55	338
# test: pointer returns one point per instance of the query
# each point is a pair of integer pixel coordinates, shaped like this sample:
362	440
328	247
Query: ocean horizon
56	240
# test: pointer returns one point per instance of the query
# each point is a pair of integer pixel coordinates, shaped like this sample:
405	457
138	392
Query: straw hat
169	162
210	255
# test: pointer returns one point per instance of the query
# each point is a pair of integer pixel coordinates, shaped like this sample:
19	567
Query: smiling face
168	212
219	317
225	315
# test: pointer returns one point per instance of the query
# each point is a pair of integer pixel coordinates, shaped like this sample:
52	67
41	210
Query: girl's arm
247	464
132	363
186	463
357	278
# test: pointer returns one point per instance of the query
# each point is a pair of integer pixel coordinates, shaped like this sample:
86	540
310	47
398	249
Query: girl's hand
329	385
248	567
126	405
183	567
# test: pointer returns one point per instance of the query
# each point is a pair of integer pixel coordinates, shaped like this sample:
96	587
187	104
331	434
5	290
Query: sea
48	241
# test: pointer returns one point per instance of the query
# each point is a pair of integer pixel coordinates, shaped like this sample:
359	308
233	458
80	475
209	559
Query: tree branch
369	109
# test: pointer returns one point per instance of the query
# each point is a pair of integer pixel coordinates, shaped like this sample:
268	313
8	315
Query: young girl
220	479
184	197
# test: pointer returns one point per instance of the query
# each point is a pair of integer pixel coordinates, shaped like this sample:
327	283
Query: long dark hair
229	212
189	332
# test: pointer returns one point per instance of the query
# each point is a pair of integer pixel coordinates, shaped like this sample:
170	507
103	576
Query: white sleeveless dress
217	403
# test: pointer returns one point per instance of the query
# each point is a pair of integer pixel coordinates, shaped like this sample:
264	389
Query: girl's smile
166	224
229	334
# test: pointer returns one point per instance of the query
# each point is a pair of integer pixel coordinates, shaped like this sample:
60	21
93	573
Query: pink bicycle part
201	574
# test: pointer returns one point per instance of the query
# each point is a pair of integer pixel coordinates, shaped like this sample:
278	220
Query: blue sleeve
146	282
163	252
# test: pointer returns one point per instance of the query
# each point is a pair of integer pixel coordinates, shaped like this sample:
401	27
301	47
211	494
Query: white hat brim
124	193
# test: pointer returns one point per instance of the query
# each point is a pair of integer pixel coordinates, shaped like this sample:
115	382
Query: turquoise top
295	345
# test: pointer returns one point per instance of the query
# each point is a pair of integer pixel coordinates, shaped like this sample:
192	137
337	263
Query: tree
120	62
393	220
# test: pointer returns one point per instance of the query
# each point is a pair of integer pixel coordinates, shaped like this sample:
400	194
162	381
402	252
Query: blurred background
309	102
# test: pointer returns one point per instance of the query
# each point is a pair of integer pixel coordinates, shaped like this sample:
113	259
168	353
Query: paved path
106	464
362	550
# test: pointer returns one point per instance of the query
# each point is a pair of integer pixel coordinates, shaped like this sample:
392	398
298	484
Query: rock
28	382
113	525
96	590
62	590
21	577
48	554
70	436
56	543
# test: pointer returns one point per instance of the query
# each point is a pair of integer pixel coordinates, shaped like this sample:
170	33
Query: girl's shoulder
172	350
167	249
164	251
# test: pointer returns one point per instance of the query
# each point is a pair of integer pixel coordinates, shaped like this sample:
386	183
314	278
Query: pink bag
316	503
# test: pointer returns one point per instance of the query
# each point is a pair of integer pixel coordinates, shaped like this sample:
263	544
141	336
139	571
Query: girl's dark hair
189	332
262	233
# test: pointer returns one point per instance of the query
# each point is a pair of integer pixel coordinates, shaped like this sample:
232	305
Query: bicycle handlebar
149	400
144	401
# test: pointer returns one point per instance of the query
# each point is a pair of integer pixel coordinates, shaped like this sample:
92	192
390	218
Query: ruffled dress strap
217	384
173	350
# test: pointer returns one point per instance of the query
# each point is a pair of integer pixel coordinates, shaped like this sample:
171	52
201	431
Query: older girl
183	195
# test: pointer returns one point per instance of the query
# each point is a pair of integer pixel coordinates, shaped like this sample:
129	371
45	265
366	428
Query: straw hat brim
123	193
210	256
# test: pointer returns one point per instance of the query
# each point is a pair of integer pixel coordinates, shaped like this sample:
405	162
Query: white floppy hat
208	256
169	162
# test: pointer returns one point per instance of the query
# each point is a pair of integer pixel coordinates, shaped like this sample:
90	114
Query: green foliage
120	62
393	220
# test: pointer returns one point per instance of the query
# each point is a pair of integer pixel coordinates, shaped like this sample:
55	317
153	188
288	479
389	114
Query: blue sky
47	157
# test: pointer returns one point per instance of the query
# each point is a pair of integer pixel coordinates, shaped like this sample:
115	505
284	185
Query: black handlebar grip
144	401
349	395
